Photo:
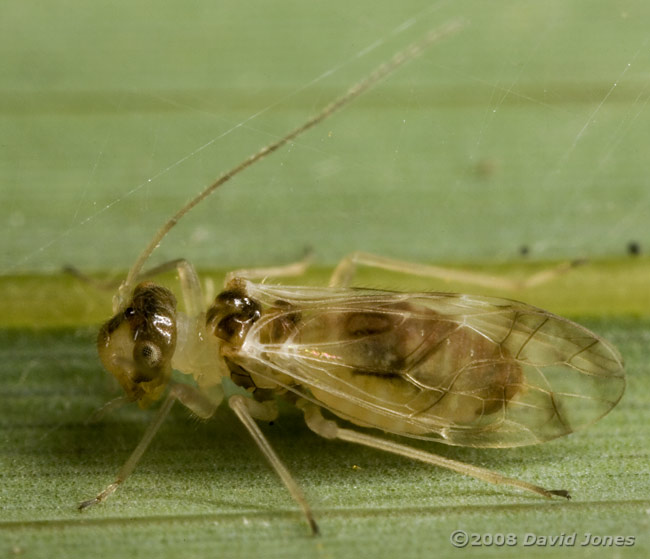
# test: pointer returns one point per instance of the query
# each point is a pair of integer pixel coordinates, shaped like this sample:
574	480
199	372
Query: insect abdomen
413	372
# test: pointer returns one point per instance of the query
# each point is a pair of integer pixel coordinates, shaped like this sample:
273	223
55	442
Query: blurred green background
529	128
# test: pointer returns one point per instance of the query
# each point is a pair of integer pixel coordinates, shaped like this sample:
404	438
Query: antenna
399	59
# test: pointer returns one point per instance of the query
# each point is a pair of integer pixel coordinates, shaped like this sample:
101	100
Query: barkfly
458	369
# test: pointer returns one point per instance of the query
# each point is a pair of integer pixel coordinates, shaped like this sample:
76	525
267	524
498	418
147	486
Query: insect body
459	369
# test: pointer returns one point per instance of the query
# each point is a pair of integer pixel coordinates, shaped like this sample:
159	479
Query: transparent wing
465	370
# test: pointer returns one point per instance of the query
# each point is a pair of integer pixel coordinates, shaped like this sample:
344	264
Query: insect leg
330	430
240	405
186	395
294	269
102	285
345	270
189	283
190	287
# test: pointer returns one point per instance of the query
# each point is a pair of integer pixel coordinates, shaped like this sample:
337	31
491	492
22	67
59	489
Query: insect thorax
230	320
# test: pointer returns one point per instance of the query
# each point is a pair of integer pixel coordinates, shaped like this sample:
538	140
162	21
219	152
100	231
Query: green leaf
525	129
204	489
525	133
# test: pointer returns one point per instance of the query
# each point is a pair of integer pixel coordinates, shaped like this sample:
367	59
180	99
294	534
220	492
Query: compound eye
147	354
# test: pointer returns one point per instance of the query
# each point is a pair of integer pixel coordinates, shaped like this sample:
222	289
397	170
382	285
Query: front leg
192	399
189	283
